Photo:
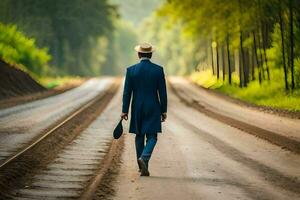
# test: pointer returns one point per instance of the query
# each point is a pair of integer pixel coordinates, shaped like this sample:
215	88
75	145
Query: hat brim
138	49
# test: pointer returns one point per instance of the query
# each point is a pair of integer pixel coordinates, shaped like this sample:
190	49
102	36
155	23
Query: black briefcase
118	130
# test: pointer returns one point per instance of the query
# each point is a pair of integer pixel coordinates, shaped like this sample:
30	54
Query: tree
283	45
291	15
228	58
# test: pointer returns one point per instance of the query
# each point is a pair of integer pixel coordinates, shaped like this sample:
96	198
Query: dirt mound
15	82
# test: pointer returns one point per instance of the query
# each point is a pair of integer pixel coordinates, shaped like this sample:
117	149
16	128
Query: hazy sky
136	10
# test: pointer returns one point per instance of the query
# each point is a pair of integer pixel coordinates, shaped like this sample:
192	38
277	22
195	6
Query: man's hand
124	116
163	117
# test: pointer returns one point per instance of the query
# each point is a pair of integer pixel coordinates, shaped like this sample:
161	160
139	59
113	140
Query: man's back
145	77
145	82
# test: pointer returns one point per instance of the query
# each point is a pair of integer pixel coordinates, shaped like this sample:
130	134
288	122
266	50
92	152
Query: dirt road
22	123
198	157
69	174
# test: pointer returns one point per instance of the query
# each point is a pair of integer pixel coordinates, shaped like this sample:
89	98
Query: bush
16	48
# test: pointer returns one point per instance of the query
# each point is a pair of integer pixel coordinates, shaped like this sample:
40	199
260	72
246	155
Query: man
145	82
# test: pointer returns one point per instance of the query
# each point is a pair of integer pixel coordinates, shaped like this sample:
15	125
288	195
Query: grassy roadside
271	94
60	81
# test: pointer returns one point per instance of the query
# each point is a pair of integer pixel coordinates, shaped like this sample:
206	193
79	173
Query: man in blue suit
145	83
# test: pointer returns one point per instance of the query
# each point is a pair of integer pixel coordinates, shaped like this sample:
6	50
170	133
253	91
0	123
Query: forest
247	49
251	38
70	31
85	38
69	37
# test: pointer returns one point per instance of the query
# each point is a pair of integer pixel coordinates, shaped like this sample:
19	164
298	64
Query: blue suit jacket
145	83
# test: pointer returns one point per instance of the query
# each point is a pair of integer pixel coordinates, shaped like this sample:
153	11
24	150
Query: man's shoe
144	169
139	166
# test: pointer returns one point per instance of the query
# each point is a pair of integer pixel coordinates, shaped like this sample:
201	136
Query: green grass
269	93
53	82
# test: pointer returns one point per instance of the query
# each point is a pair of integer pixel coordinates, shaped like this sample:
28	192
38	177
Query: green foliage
58	81
206	79
70	29
18	49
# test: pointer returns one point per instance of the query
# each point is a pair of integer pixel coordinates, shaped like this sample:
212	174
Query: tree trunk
264	41
256	56
228	59
223	62
218	62
283	47
242	63
212	59
261	56
246	67
292	42
253	64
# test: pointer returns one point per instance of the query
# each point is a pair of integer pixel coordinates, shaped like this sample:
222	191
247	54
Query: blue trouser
144	151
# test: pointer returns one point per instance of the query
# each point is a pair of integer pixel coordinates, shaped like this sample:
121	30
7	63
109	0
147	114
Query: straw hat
144	48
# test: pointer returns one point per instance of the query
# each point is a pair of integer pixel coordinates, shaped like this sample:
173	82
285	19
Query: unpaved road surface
68	175
281	125
198	157
21	124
